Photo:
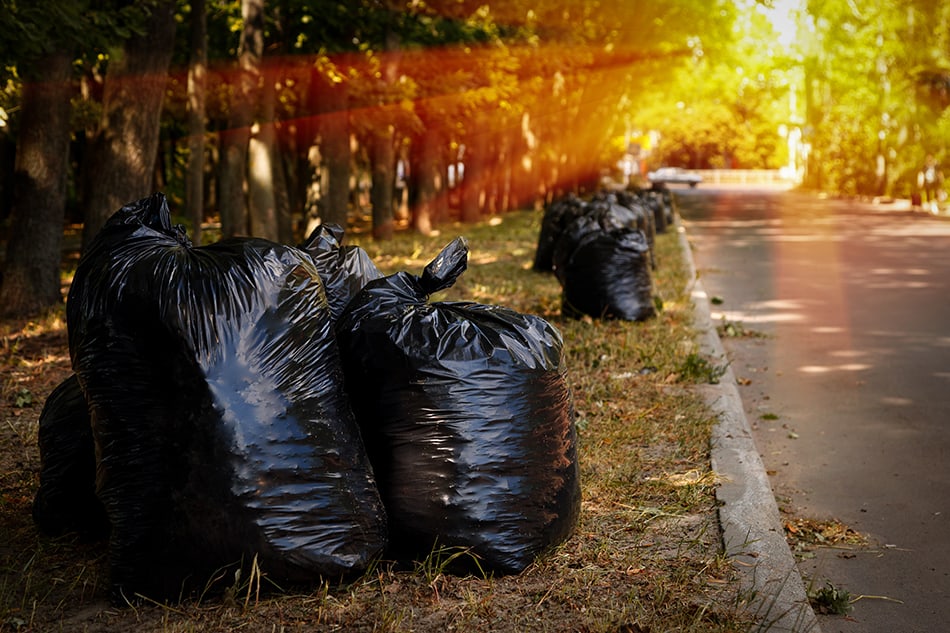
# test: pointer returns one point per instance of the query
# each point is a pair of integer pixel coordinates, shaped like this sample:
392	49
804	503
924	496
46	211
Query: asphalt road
837	318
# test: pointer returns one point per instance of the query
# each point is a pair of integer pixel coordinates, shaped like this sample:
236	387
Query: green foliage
726	99
873	79
714	79
698	369
441	560
83	28
830	599
22	398
560	87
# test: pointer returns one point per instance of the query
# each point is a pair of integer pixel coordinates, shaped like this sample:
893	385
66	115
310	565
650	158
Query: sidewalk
752	532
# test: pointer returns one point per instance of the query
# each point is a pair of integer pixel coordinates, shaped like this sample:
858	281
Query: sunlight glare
746	317
783	16
826	369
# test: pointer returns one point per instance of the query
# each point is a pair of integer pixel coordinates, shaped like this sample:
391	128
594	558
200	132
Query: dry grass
645	556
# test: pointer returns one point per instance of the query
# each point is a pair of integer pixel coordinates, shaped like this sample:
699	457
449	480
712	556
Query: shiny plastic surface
604	270
222	428
558	215
632	212
467	416
66	500
344	269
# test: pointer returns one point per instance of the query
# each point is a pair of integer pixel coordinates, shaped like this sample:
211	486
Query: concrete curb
752	532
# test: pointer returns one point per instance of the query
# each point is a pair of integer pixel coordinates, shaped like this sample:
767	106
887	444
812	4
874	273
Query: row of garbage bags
602	251
251	401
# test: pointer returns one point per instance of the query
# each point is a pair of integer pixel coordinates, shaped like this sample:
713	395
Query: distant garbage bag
467	418
344	269
66	501
622	210
215	388
668	203
558	215
653	201
618	209
604	271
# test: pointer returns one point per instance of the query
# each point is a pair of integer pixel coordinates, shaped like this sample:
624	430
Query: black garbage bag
616	210
223	433
344	269
654	202
558	215
467	418
667	201
66	500
605	272
622	210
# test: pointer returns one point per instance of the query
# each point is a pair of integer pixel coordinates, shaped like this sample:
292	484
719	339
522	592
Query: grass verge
646	555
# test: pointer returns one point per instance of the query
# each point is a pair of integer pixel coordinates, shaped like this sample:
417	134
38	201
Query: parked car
673	175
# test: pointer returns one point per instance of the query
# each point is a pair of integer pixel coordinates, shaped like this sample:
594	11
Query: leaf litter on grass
646	555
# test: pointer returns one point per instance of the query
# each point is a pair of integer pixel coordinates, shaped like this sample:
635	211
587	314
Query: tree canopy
415	112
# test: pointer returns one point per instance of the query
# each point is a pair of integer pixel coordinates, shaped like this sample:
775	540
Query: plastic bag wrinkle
604	270
66	500
467	417
216	389
344	269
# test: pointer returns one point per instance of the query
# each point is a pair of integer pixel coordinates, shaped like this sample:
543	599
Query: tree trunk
423	185
283	149
472	198
525	185
232	203
232	180
440	181
335	149
494	199
7	161
509	165
126	144
382	149
383	159
308	163
31	277
283	183
262	166
197	79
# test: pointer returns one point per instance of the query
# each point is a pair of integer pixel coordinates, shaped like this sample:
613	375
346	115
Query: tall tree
31	280
196	89
277	137
427	178
232	178
126	145
382	145
41	40
472	195
876	93
334	126
263	166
